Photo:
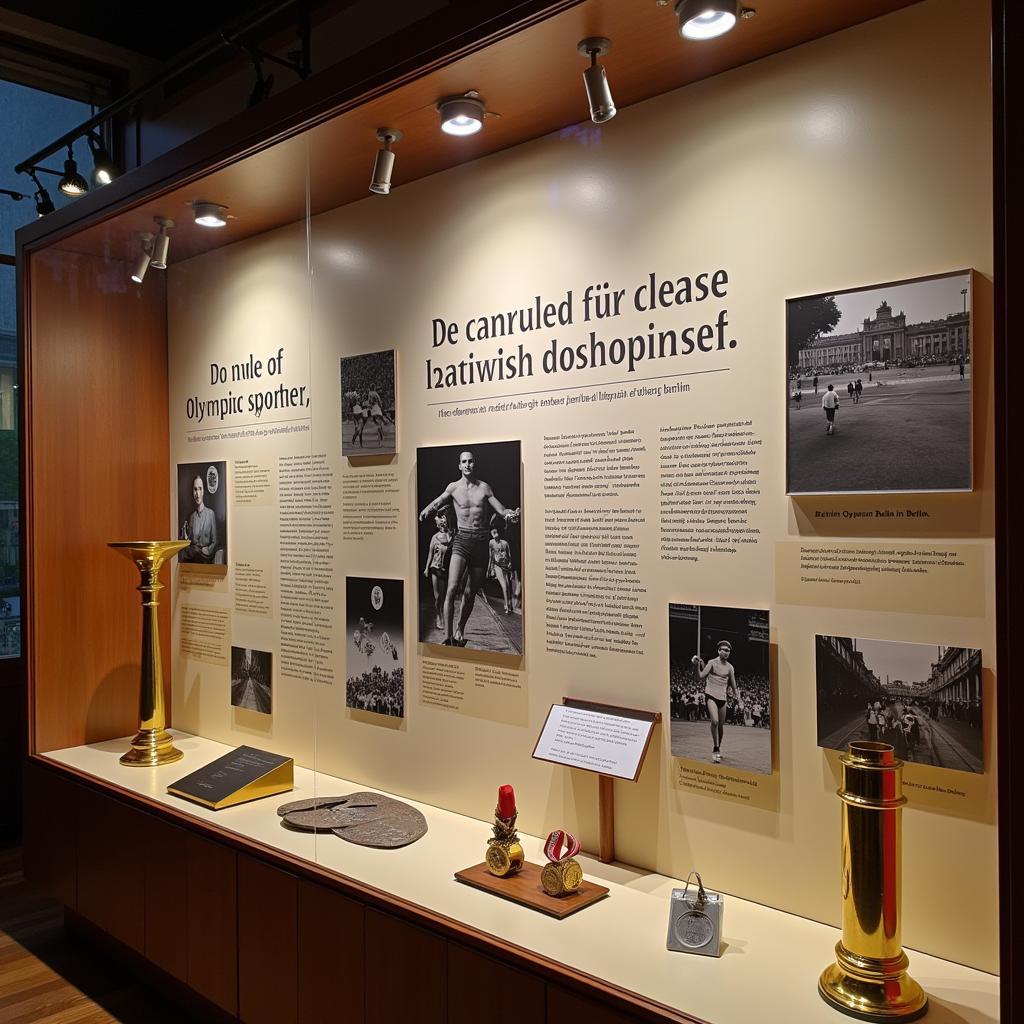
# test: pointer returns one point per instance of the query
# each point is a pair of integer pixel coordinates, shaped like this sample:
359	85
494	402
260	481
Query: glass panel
10	601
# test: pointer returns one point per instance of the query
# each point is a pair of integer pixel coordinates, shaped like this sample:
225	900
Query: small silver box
695	919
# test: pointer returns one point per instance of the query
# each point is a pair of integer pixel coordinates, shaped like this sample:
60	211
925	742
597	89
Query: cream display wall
811	170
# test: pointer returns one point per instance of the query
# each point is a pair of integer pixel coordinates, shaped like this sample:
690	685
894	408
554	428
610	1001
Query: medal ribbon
561	845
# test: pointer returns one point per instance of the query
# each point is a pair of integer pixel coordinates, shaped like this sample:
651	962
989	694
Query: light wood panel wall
96	471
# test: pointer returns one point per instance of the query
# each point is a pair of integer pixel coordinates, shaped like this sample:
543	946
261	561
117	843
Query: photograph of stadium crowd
252	679
374	658
369	419
878	388
925	700
470	551
720	691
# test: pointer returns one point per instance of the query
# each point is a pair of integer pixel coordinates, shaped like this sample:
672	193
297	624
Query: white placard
598	741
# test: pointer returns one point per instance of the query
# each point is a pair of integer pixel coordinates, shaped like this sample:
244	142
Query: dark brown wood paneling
565	1007
167	903
482	989
331	957
111	843
406	973
49	834
268	901
97	470
213	921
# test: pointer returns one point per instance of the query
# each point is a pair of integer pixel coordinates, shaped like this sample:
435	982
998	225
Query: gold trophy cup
152	744
869	979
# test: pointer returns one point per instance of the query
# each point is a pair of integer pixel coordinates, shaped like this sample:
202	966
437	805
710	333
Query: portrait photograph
374	652
878	388
251	679
925	700
203	512
469	504
369	416
720	691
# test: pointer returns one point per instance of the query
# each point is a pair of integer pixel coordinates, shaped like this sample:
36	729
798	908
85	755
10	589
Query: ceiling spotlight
142	263
104	170
706	19
384	164
602	106
209	215
44	204
161	243
462	115
72	183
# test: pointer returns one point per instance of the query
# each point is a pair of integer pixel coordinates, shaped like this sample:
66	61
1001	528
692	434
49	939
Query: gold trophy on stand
869	979
152	744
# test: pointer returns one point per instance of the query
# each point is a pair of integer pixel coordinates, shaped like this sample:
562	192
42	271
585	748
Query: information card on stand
595	739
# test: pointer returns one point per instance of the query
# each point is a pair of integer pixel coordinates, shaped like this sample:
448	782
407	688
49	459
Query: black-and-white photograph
925	700
720	691
470	547
878	388
369	417
203	512
251	679
374	655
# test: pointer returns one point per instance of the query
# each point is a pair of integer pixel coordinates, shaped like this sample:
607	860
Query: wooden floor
48	976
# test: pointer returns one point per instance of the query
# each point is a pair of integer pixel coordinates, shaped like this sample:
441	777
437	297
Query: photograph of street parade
470	549
720	692
924	700
251	679
369	421
374	659
878	388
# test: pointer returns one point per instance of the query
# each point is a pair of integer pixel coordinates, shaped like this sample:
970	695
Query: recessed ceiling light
209	215
461	115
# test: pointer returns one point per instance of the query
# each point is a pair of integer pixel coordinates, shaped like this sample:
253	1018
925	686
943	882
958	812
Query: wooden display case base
525	888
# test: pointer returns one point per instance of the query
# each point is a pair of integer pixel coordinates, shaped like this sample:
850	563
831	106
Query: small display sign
247	773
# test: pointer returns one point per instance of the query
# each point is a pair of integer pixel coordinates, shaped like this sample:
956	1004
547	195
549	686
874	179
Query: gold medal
551	879
572	874
504	858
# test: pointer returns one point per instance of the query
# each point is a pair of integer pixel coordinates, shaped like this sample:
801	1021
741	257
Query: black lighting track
231	38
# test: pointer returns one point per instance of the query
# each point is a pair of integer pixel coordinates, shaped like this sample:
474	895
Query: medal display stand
554	745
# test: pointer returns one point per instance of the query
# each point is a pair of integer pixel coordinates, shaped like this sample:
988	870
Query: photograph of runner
470	551
878	388
369	418
925	700
720	699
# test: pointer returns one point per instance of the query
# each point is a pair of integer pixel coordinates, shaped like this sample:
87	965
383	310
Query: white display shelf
768	971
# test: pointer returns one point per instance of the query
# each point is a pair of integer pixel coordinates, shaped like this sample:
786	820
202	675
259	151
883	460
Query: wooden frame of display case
112	366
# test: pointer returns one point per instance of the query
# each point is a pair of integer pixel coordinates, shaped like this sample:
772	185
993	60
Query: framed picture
369	409
720	692
203	512
374	649
252	679
469	498
878	388
925	700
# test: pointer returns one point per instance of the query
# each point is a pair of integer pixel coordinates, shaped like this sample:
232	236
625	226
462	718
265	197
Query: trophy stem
152	744
869	979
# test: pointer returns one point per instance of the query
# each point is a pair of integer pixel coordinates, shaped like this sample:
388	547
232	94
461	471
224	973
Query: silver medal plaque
695	920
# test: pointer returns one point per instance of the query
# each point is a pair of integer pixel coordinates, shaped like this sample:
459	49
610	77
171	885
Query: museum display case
554	399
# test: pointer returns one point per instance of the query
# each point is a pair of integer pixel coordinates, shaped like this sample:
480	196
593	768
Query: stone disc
396	824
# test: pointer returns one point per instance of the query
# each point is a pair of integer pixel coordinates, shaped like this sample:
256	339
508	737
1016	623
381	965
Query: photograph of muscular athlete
470	589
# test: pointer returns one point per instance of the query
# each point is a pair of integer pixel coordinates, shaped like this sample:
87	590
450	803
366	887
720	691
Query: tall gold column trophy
504	853
869	979
152	744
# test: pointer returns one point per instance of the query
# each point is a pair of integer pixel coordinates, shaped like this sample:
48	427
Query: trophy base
152	747
870	989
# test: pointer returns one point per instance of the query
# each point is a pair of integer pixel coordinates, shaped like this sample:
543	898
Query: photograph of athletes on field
720	694
369	420
925	700
878	388
469	543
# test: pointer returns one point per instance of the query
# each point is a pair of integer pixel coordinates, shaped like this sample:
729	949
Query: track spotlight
161	244
384	164
599	95
209	215
72	183
706	19
462	115
104	170
142	263
44	204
